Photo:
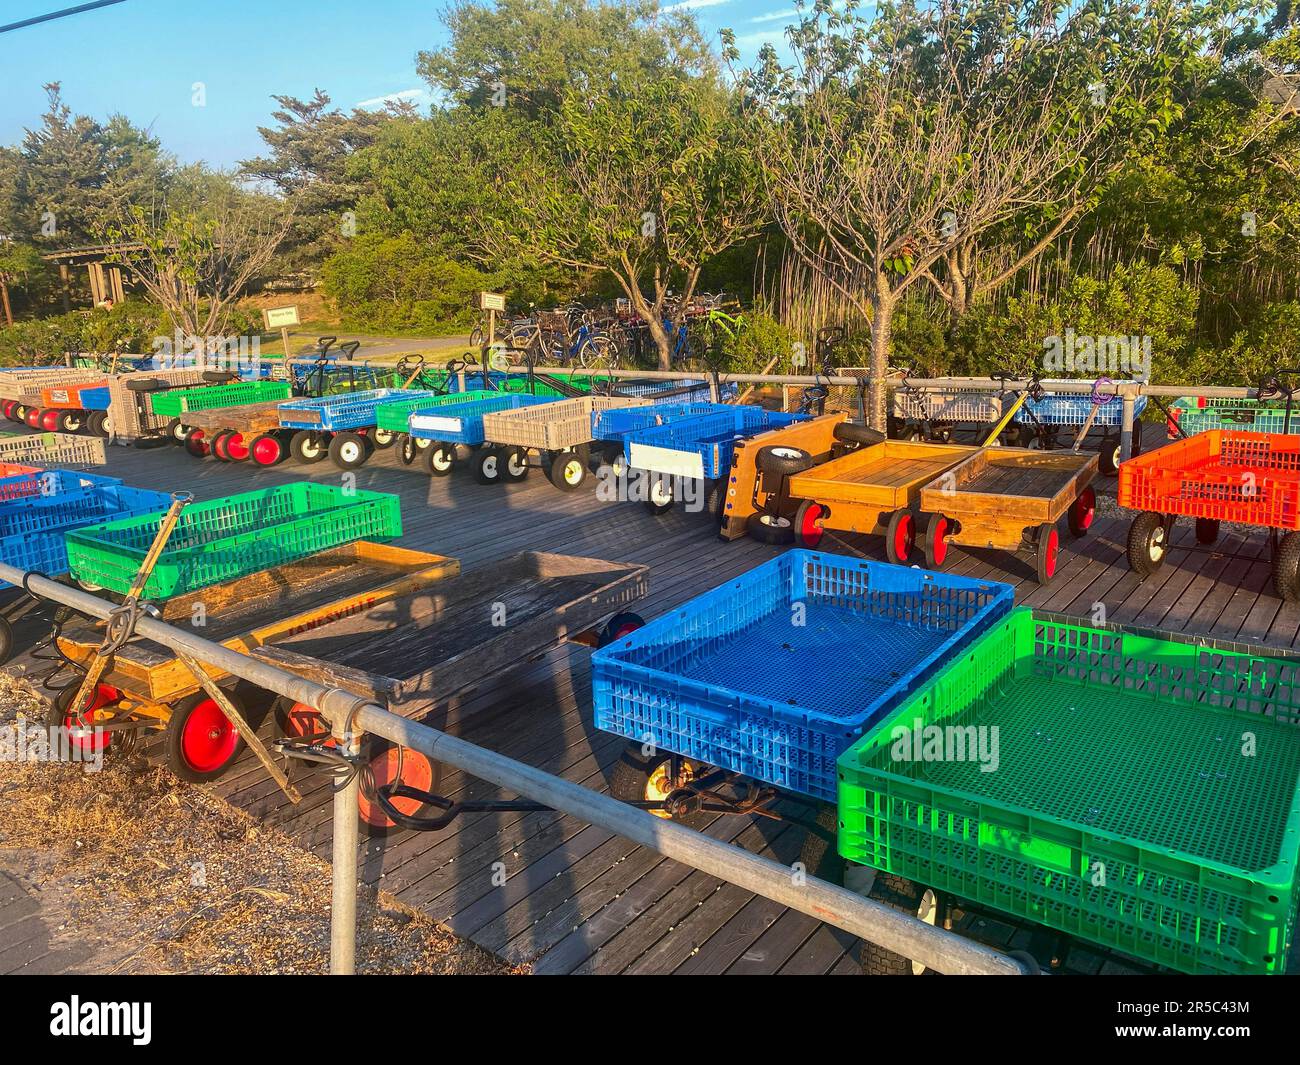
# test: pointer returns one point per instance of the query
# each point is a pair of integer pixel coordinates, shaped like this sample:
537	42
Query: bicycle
552	337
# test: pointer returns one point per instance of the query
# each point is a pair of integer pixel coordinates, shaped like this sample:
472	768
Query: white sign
491	301
281	317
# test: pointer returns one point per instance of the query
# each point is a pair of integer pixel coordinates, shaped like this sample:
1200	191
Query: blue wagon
453	426
1038	420
773	675
342	425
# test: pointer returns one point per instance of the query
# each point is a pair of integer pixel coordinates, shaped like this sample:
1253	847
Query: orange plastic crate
19	482
1249	478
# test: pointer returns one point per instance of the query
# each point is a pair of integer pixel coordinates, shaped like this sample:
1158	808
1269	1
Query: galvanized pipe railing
350	715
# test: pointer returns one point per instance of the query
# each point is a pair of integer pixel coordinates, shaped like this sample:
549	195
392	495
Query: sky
144	59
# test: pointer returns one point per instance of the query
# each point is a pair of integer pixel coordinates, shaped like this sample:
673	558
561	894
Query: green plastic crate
178	401
394	416
1122	809
231	537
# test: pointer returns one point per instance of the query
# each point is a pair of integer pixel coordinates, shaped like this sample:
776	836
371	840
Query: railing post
343	912
1128	390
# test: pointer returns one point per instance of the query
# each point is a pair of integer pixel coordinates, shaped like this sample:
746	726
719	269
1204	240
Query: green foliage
753	345
128	327
396	284
1269	343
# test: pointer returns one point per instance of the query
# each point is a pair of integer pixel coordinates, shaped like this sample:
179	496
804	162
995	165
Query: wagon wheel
1207	530
6	640
219	445
900	537
200	741
267	450
1286	568
439	459
487	466
70	421
659	494
620	625
515	463
770	528
60	715
637	777
97	423
1047	551
175	430
567	471
907	897
235	446
810	523
1109	452
348	450
934	542
385	763
307	446
197	444
1082	511
1148	542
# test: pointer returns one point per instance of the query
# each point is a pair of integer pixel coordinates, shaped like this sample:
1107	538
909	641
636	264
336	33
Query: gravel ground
156	876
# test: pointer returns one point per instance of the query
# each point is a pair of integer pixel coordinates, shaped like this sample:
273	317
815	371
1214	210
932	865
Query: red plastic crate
1250	478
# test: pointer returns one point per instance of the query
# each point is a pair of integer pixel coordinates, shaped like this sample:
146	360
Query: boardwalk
576	899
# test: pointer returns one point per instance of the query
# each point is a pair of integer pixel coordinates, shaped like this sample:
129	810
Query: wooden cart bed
414	650
246	418
1010	488
886	475
243	613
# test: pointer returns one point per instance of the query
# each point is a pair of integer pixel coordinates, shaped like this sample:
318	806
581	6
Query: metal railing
350	716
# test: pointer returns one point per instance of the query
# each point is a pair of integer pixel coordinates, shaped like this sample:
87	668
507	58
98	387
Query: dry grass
163	878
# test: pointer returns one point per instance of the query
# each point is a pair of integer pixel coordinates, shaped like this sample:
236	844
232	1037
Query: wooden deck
574	898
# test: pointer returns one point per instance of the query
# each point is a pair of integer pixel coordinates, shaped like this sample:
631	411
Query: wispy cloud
693	5
775	35
393	97
776	16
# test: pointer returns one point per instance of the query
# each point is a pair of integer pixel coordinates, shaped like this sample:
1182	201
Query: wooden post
63	288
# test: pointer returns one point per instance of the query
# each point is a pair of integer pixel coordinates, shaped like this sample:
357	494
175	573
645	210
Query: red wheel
936	547
1082	511
50	420
808	523
201	741
219	445
235	447
1049	547
197	444
300	720
33	417
61	714
900	537
266	450
8	408
387	767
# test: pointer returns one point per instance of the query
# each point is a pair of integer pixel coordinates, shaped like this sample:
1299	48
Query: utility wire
58	14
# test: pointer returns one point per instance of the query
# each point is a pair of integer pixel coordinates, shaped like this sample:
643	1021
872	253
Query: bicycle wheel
598	353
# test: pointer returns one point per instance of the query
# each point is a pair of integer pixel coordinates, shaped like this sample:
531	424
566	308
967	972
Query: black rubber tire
20	414
306	446
567	471
149	443
349	450
6	640
935	554
514	465
439	459
219	377
488	463
782	460
382	439
407	451
71	421
97	423
852	433
1286	568
1047	552
143	384
175	731
891	537
1082	512
619	626
1147	535
257	440
1207	530
818	852
659	494
219	445
174	430
770	528
903	895
804	532
630	775
1108	455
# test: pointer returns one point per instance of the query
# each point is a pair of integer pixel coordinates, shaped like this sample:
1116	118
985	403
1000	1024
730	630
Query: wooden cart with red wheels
148	698
873	490
411	653
247	433
1011	499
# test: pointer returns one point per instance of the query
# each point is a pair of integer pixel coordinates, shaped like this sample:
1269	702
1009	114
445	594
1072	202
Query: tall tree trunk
662	338
4	297
882	325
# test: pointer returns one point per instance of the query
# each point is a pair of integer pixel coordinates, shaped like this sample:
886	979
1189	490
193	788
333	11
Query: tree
199	246
645	181
307	163
898	143
18	262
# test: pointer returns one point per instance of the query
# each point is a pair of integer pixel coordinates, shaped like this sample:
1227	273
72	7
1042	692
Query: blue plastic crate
616	423
462	423
346	410
773	675
1194	415
32	531
21	488
1068	409
700	447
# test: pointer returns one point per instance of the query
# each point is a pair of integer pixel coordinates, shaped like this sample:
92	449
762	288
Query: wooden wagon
248	431
1011	499
147	687
412	651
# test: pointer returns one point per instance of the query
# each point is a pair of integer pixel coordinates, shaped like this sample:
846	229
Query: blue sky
143	57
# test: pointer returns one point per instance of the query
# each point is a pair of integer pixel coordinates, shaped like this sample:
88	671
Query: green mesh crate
394	416
179	401
231	537
1144	796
